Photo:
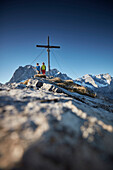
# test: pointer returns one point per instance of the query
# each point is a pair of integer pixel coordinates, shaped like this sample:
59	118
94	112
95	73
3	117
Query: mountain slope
106	91
56	73
22	73
44	126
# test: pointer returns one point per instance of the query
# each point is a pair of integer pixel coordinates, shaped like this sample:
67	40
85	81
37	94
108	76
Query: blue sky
82	28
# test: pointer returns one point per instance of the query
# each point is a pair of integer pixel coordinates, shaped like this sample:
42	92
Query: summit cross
48	50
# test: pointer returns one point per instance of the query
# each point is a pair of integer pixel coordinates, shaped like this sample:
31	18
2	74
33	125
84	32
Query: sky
82	28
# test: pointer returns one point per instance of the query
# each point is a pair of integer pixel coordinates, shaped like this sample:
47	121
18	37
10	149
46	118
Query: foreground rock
46	127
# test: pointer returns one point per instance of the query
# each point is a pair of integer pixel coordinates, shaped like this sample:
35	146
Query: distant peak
101	80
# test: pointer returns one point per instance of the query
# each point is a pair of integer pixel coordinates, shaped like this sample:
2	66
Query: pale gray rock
20	86
51	87
34	83
46	130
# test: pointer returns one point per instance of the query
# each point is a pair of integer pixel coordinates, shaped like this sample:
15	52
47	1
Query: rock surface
46	127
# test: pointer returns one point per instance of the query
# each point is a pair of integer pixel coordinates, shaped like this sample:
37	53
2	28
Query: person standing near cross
43	68
37	68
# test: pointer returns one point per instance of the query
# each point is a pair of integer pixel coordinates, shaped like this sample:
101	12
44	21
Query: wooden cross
48	50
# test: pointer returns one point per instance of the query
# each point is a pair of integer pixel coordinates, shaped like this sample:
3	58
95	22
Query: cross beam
48	50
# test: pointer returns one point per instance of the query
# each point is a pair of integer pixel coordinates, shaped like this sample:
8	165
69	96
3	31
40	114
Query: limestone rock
48	127
40	75
34	83
50	87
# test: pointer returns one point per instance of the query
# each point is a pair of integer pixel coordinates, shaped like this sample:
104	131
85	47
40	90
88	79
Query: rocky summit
101	84
53	124
27	72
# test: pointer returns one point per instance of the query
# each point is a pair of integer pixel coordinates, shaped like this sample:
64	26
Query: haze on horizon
83	30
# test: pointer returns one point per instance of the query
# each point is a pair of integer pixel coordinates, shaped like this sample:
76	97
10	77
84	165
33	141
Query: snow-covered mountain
22	73
95	81
56	73
102	84
26	72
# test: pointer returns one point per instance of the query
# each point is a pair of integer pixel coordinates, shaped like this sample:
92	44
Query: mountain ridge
101	84
95	81
26	72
